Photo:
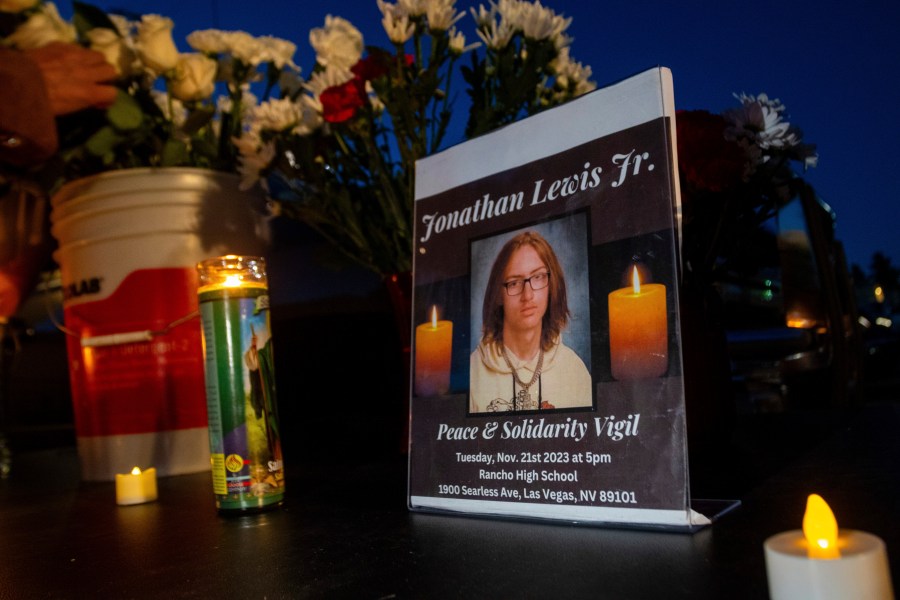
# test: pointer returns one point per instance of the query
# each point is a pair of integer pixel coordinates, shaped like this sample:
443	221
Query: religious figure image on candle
521	362
263	439
638	330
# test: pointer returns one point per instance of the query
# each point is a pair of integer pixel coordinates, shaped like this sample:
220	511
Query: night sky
833	65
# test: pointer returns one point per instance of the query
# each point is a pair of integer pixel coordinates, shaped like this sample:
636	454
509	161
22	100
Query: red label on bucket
139	387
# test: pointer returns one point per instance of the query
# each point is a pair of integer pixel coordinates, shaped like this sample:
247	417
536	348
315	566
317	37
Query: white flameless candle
820	562
136	487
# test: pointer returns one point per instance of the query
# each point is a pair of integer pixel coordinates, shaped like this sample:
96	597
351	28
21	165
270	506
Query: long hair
557	315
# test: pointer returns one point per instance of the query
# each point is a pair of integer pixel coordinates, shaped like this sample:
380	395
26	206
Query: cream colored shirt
564	380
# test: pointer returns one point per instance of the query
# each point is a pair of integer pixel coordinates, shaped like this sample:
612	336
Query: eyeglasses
538	281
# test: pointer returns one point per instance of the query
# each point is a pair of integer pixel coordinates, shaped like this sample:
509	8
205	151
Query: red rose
706	159
370	67
340	102
376	64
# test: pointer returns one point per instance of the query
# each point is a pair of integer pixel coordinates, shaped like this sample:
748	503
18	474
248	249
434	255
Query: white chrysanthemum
442	14
290	83
225	105
338	44
249	50
759	119
457	42
510	12
540	23
172	108
278	51
255	156
326	78
811	158
396	22
482	16
310	116
374	101
244	47
498	26
275	115
496	35
322	80
414	8
569	72
211	41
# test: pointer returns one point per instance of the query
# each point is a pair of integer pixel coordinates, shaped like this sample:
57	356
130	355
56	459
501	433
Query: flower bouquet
736	171
173	108
335	150
339	151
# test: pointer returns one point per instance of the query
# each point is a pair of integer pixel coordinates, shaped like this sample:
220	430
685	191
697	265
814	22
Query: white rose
155	44
123	26
42	28
195	77
15	6
114	48
338	44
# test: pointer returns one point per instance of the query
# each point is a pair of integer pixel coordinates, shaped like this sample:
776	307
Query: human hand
76	77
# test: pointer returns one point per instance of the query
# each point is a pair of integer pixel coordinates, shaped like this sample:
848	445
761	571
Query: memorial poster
547	369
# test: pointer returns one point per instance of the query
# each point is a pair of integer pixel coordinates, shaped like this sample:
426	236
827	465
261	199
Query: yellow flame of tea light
820	528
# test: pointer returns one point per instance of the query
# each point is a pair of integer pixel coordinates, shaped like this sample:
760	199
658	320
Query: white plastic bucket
129	242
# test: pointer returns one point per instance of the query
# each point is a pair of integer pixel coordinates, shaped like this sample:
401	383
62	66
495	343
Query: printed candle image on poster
635	338
530	313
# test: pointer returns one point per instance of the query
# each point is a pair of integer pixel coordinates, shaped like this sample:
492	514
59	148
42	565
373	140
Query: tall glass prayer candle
247	467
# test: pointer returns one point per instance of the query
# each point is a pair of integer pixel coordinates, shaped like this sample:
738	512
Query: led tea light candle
822	563
136	487
434	345
638	330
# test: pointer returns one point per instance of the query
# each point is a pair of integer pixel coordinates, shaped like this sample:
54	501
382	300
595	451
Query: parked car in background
794	338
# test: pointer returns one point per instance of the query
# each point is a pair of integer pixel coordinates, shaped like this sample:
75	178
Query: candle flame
820	528
136	471
434	317
636	280
232	281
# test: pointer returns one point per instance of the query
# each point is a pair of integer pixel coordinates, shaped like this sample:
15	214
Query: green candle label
247	467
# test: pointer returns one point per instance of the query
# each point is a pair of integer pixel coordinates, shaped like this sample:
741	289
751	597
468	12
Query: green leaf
174	153
125	114
103	142
88	16
197	119
204	148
